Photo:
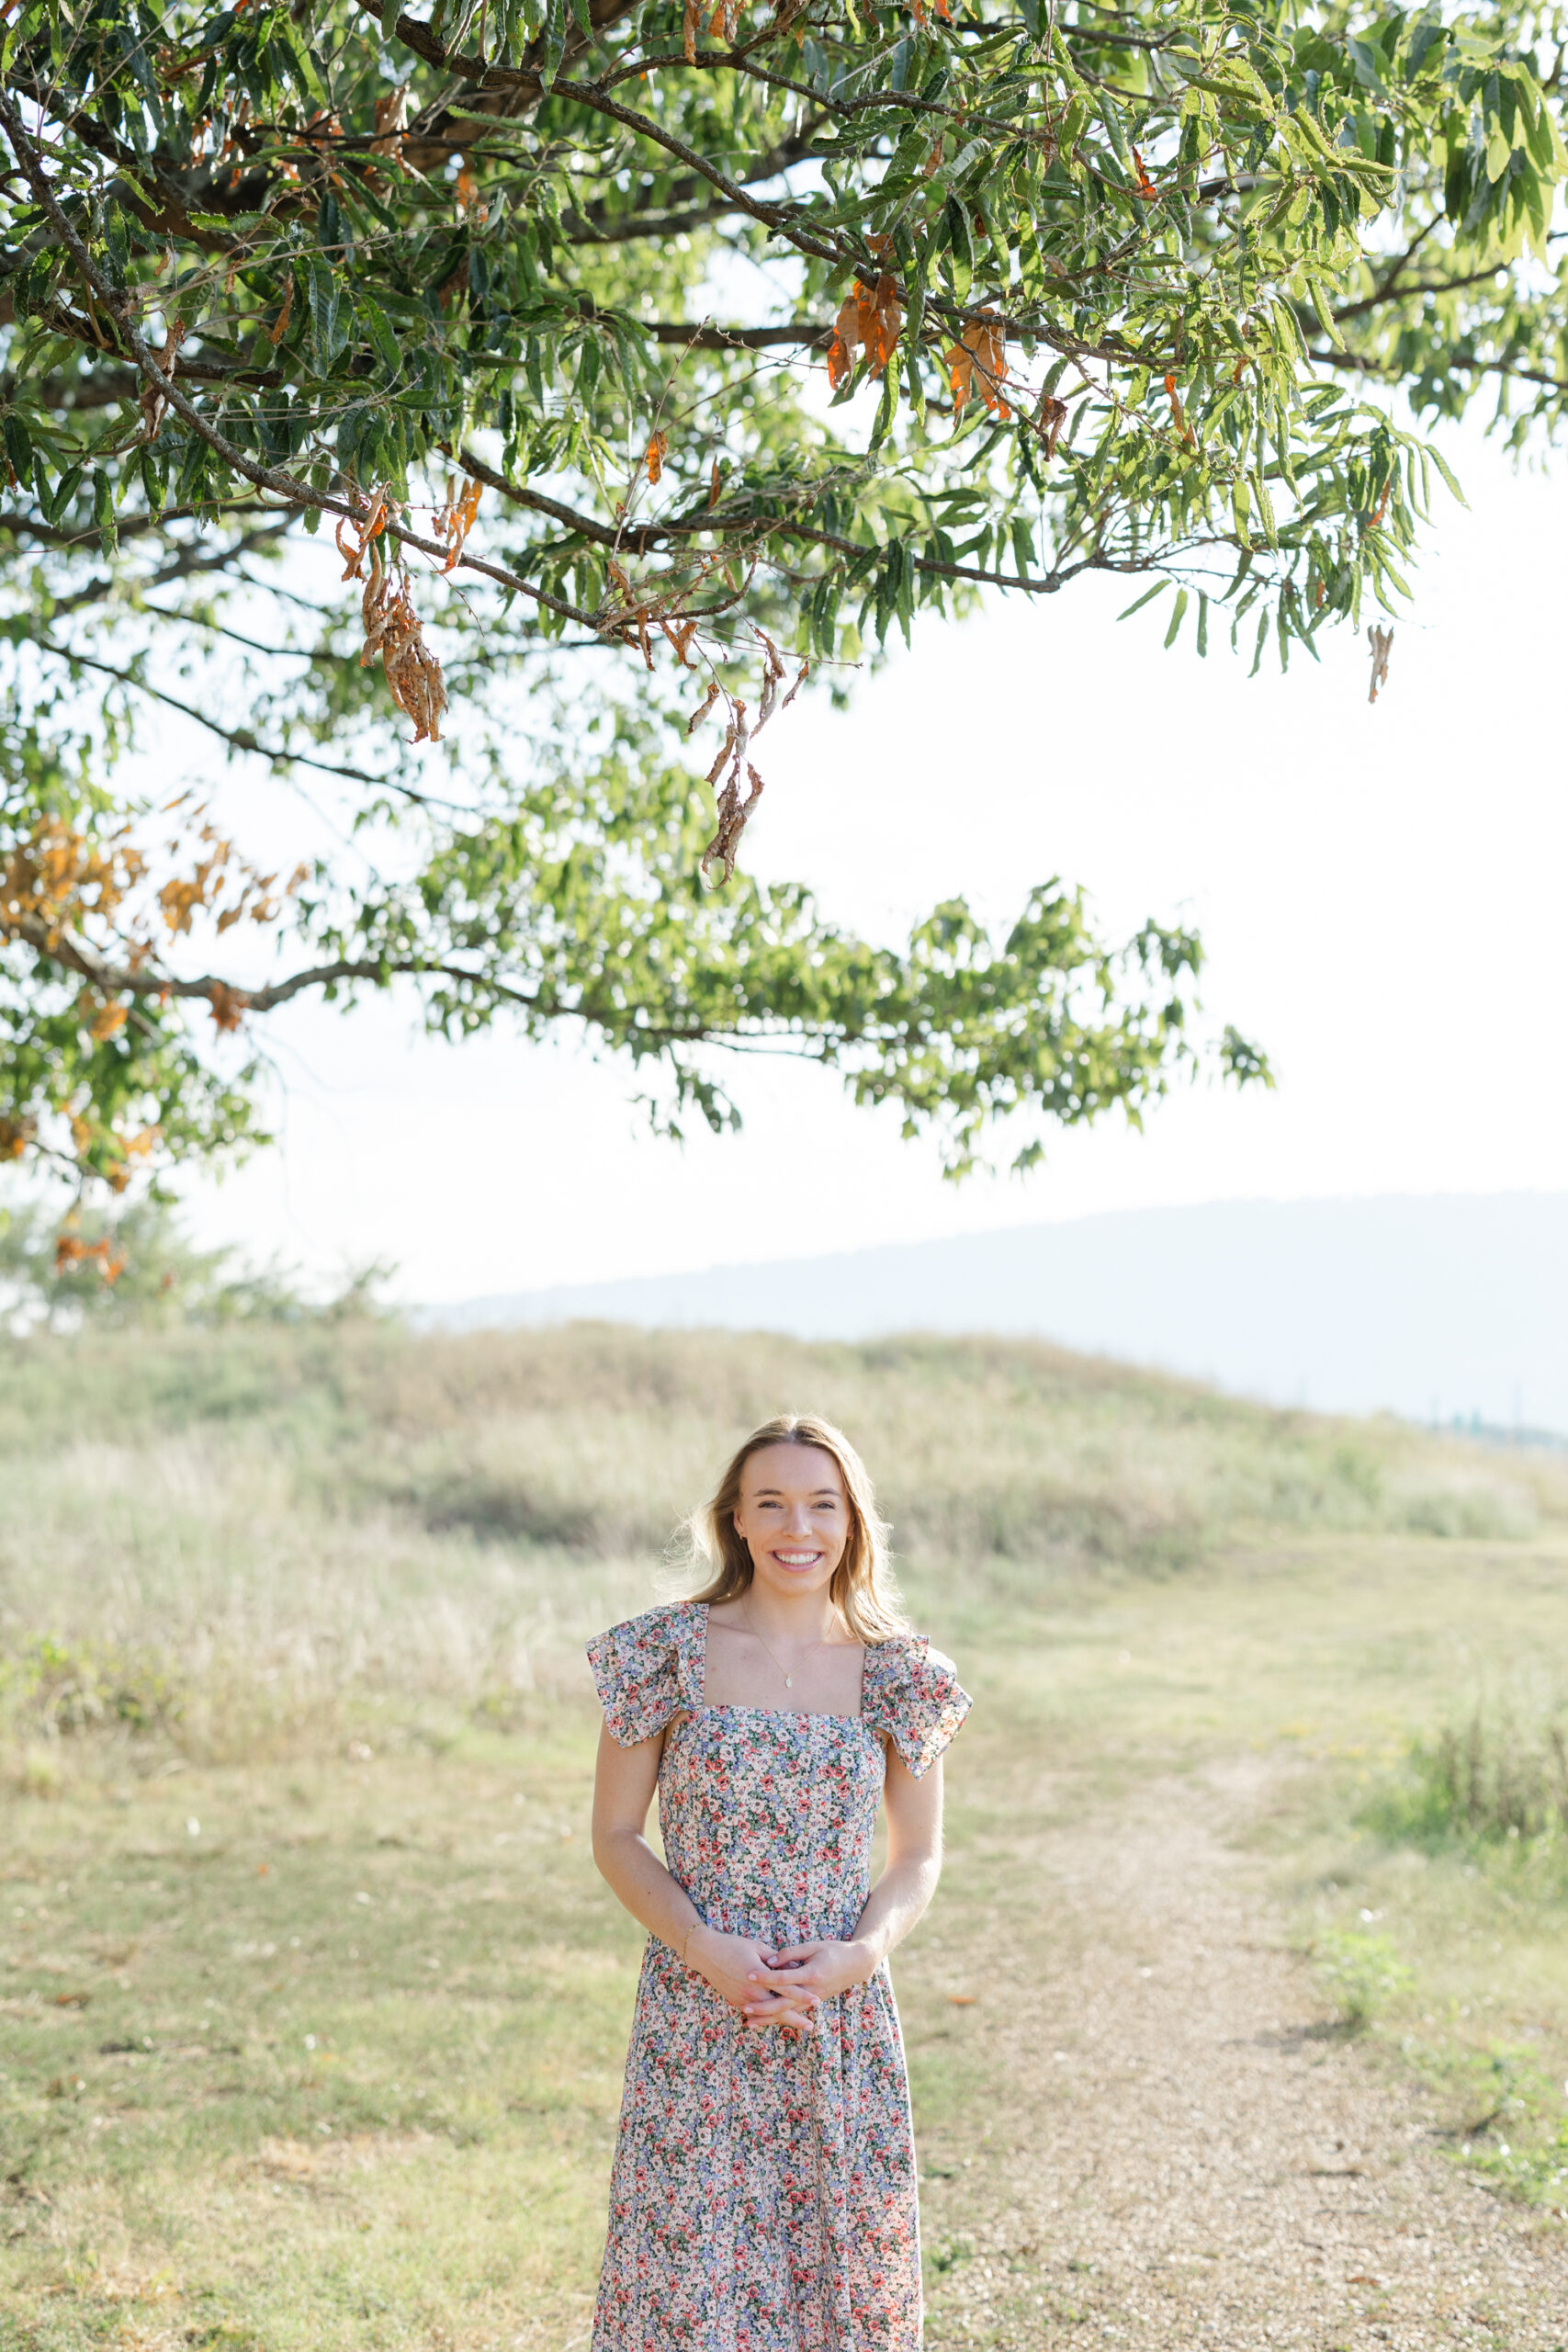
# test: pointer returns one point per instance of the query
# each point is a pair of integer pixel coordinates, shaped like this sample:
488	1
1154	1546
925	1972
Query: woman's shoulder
913	1696
905	1653
646	1669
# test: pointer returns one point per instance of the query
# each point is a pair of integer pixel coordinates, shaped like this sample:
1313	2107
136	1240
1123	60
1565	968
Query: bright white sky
1381	891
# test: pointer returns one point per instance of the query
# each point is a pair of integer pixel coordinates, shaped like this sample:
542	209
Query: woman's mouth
797	1560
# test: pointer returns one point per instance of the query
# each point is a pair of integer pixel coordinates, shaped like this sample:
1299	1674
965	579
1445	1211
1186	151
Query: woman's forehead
792	1469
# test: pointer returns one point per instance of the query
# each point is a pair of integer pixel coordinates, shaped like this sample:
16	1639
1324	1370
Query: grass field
312	2009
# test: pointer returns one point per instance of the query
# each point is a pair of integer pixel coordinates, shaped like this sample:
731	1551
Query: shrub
1494	1776
56	1689
1363	1974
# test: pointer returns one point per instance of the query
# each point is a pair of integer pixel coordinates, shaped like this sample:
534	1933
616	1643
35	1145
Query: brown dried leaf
733	815
657	451
1382	643
392	631
703	709
391	120
723	760
1049	419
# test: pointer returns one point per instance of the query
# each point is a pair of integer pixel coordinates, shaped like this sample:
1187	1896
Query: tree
642	360
131	1265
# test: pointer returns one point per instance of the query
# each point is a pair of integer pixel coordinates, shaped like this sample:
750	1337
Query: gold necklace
789	1678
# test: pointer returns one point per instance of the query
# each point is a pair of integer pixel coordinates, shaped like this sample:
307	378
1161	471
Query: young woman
763	2196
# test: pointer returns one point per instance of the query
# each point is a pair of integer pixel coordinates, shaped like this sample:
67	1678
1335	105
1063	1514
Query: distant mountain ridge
1435	1306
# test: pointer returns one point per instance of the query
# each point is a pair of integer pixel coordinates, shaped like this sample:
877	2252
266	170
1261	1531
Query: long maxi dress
763	2197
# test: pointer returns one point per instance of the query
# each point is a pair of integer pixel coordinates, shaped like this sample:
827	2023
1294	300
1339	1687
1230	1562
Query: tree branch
1386	372
283	485
190	561
783	220
239	738
645	539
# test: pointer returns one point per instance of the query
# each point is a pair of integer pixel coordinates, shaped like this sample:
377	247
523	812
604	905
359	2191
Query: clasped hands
780	1989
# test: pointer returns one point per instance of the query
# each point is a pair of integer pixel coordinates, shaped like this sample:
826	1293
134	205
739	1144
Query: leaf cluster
645	333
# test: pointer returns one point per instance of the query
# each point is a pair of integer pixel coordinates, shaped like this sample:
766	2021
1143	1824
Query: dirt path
1191	2159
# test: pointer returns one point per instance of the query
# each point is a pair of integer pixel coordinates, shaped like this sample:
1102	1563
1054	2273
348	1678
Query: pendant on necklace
789	1683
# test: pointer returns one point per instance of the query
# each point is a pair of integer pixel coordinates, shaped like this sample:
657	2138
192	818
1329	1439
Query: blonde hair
863	1590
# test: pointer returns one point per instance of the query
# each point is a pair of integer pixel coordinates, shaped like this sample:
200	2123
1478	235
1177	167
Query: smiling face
794	1517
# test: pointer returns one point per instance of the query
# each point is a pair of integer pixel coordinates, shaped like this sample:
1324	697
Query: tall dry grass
219	1543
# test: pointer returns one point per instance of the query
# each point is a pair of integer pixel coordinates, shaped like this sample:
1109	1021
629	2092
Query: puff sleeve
639	1672
914	1698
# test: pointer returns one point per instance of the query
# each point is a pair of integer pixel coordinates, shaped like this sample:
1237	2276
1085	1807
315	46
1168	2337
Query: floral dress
763	2195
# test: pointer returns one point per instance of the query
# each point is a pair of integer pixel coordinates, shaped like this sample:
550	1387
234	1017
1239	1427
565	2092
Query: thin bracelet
686	1940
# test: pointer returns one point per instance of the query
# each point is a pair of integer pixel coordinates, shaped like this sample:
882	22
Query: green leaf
103	512
1432	451
1146	598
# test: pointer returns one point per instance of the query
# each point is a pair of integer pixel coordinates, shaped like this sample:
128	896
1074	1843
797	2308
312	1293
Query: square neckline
785	1714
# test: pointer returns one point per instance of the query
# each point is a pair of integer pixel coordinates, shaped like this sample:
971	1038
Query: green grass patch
315	2009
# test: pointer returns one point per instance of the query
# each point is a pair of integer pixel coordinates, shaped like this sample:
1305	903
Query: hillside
1435	1307
315	2009
282	1514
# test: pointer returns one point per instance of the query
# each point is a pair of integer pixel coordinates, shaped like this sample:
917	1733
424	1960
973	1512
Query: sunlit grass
338	2065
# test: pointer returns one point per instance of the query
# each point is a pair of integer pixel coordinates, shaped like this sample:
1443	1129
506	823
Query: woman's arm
814	1972
624	1784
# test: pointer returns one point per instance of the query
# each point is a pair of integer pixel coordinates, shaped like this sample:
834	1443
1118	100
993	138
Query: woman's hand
735	1966
799	1978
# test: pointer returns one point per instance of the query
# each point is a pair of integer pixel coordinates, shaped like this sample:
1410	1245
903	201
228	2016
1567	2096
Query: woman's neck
796	1617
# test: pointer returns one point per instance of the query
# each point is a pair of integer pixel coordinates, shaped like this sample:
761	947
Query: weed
54	1689
1363	1974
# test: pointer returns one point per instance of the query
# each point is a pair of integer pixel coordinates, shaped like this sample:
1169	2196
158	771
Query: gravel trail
1186	2152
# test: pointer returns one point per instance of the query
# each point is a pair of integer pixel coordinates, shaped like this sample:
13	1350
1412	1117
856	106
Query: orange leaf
279	326
657	450
713	486
980	352
228	1005
1146	187
888	323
